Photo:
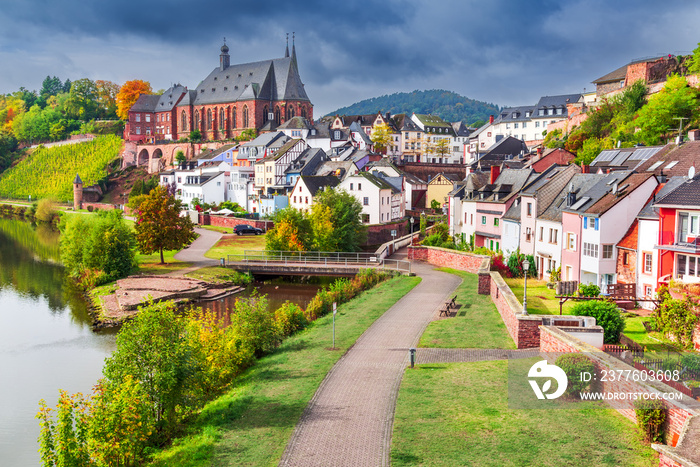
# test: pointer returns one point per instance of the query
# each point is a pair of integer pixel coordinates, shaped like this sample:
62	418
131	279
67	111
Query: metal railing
317	258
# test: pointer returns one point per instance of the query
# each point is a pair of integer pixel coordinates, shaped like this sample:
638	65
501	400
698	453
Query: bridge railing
315	258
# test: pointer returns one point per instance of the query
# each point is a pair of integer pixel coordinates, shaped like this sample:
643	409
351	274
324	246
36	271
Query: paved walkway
471	355
195	252
349	420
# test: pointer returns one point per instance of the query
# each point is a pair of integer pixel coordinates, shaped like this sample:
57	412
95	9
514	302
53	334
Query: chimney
490	118
539	151
388	116
585	168
694	135
495	171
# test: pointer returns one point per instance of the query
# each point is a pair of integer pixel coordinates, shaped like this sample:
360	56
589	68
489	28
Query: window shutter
585	222
596	223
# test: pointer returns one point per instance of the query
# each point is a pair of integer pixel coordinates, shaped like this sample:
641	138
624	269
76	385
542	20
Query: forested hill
448	105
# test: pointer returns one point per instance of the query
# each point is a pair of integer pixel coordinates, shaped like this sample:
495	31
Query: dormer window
213	89
239	75
214	78
225	88
336	134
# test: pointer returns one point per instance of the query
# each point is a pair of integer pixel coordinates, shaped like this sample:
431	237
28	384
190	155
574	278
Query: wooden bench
448	306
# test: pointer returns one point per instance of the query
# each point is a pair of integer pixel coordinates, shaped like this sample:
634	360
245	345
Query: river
46	337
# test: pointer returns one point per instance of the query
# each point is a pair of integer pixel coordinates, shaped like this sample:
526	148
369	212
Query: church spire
224	58
294	50
286	52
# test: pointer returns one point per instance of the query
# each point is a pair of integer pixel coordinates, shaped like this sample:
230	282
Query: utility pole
680	129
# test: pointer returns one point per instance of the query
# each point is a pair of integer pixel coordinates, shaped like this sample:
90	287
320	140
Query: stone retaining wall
223	221
555	340
447	258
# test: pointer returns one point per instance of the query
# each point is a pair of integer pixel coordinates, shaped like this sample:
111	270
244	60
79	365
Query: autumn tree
159	225
106	95
128	94
292	232
382	137
336	221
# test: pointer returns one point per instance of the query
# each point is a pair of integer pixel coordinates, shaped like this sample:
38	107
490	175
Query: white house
302	195
381	201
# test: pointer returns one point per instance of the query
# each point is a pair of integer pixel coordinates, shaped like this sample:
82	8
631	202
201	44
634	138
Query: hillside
49	172
448	105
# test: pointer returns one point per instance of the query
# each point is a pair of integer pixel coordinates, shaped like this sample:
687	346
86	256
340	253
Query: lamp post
412	220
526	266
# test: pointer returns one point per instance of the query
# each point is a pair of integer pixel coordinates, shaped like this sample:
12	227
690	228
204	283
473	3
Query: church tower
77	193
224	58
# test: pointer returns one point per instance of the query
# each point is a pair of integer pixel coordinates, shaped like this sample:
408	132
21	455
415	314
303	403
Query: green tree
336	221
292	232
154	350
657	119
591	148
159	225
694	63
381	137
195	136
180	157
247	135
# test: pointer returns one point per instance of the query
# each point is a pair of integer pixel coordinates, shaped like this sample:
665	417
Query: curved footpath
194	253
350	418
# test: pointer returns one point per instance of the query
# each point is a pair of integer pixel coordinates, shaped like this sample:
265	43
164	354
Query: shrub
574	364
290	319
588	290
255	324
499	265
651	415
606	315
676	318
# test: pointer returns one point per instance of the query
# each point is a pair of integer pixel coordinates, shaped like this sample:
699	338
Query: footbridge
311	263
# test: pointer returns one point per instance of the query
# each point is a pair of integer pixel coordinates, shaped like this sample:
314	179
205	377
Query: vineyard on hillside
49	172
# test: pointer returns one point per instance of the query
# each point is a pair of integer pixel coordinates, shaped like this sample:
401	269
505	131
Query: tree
159	225
106	94
82	100
440	147
180	157
195	136
382	137
657	119
292	232
128	94
336	221
247	135
694	63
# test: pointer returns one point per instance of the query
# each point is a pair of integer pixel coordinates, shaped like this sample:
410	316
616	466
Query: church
232	98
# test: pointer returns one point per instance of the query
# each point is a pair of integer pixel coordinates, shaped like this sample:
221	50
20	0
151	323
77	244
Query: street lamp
526	266
412	220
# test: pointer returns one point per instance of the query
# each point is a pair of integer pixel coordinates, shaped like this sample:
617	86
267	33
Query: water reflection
46	338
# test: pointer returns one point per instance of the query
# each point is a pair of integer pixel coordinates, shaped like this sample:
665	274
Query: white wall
552	249
510	236
647	236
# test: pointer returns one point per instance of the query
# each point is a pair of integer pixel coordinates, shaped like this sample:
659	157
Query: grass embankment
49	172
252	423
458	414
653	341
150	264
216	275
477	324
235	245
540	299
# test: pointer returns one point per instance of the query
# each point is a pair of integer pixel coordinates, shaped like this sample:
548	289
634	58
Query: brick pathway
349	420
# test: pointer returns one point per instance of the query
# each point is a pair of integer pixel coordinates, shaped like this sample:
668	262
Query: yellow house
439	187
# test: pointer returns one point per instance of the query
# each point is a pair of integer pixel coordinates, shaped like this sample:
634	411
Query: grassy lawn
236	245
477	324
150	264
540	299
653	341
458	414
252	423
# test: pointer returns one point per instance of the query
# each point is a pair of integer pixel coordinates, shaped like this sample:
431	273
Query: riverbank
252	423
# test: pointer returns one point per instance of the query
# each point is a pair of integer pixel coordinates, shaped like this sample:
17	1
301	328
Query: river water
46	338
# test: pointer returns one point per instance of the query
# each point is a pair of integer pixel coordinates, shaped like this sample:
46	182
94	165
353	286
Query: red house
679	233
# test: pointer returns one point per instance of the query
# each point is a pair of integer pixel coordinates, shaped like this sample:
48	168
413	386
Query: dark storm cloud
502	51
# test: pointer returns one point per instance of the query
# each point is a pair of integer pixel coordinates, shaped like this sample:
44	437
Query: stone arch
143	157
303	112
290	112
266	110
234	122
196	119
209	119
278	115
222	119
183	121
245	116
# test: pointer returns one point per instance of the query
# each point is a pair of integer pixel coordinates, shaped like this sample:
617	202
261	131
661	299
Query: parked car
245	228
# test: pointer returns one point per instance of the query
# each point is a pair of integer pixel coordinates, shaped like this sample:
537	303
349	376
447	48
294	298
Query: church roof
272	80
170	98
146	103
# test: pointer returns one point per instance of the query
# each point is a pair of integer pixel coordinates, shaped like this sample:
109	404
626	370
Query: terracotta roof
629	241
685	156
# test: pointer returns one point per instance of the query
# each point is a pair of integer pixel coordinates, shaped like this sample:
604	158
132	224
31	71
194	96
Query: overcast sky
500	51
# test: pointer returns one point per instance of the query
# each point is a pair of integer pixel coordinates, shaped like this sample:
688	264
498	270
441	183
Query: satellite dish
691	172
